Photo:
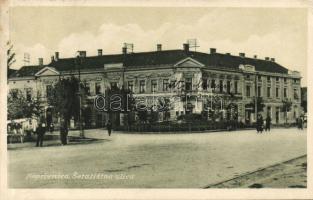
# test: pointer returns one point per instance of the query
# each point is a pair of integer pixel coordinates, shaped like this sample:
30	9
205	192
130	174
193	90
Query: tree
286	107
64	98
20	107
165	107
10	57
142	113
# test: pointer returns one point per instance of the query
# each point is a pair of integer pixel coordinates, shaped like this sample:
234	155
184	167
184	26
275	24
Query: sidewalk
53	139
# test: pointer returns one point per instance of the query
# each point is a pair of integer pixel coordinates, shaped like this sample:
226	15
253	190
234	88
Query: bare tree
10	57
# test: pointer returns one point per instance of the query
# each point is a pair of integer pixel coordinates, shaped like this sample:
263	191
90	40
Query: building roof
29	70
11	71
166	57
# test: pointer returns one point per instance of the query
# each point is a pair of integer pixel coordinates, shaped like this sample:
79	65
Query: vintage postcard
156	100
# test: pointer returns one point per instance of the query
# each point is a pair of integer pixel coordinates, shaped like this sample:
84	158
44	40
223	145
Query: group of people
41	130
16	130
260	123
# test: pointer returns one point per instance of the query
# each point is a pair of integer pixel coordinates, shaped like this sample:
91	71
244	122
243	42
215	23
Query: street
152	160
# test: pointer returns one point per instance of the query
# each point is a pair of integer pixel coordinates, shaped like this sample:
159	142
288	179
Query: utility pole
81	130
256	97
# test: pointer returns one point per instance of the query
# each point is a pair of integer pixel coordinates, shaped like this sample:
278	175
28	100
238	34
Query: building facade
191	81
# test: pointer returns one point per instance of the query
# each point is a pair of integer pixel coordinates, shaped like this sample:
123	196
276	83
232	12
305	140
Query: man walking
268	123
63	132
259	123
40	133
109	127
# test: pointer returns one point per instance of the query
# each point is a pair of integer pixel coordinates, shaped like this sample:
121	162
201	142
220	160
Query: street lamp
256	96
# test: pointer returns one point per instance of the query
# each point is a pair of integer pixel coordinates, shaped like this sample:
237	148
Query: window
131	86
28	94
295	94
296	80
277	92
204	83
285	92
87	88
221	85
49	90
98	88
248	90
172	85
165	85
269	110
268	91
259	78
277	79
113	85
285	80
248	76
154	85
259	91
236	87
213	84
228	86
268	79
142	86
188	85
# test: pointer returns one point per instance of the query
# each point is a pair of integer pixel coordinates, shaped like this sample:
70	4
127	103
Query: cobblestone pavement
288	174
153	160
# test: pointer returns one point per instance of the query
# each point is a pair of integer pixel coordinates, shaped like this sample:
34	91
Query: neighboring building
304	100
199	79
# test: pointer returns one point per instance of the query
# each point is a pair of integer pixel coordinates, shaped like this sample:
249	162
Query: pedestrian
20	132
63	133
300	121
41	130
268	121
259	123
109	127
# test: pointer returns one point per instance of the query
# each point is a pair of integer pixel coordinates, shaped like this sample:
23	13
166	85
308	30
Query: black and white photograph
156	97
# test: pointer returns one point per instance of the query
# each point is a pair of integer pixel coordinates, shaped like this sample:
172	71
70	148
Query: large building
191	81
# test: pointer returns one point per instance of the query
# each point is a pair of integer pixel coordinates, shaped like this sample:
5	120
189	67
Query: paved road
153	160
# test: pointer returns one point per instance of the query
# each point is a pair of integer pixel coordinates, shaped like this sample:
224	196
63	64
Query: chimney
99	52
159	47
186	47
124	50
242	55
56	56
82	54
212	50
273	59
40	61
267	58
52	58
255	56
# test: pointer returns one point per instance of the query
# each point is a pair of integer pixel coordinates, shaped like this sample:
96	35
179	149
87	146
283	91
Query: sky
280	33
